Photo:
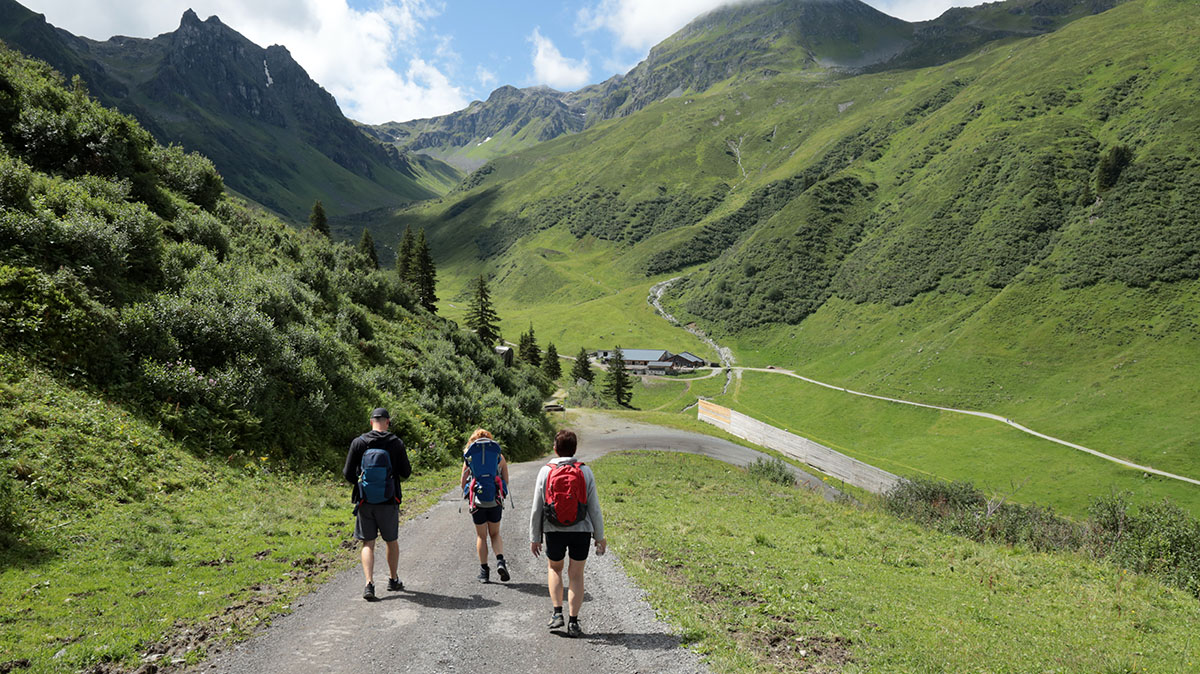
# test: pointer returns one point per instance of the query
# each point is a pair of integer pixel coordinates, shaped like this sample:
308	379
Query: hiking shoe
484	574
573	629
394	585
369	592
556	621
502	570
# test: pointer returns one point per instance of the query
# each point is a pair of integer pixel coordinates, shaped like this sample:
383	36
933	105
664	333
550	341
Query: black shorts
559	542
484	515
381	519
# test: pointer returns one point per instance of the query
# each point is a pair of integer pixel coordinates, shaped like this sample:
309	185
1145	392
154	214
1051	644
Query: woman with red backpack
566	510
484	485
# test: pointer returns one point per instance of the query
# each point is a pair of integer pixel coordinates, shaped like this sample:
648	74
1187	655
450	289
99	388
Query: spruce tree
366	246
317	220
581	369
404	255
424	274
616	384
551	366
482	317
528	348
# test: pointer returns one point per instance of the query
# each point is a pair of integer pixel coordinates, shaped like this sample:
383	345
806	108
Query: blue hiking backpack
485	488
375	481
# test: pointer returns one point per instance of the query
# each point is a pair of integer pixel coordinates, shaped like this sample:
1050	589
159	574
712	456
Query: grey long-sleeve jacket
593	521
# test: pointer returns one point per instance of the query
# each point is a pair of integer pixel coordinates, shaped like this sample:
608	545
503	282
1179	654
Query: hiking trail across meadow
446	621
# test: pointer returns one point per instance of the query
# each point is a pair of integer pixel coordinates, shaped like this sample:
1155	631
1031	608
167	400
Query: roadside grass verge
913	441
174	573
784	581
135	547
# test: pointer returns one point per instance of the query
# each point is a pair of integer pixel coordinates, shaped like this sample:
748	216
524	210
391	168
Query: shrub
189	173
772	470
1160	539
584	394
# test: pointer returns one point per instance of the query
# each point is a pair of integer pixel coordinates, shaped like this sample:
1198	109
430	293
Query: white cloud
918	10
551	68
641	24
362	57
485	77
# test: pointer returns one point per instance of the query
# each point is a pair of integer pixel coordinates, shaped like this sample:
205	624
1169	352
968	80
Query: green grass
136	540
909	440
1111	365
784	581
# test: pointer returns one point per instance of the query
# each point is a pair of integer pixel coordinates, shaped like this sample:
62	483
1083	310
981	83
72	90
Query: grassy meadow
784	581
139	548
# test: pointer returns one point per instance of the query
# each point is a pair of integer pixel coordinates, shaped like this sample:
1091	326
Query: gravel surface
446	621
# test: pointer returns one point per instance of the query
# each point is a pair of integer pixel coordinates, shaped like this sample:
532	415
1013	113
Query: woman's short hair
479	433
564	443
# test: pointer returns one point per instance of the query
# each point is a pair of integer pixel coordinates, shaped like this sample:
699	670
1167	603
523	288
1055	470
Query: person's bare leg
493	529
575	591
481	542
368	559
554	581
393	557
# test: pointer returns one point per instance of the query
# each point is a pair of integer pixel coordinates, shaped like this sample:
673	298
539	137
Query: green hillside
277	137
180	376
1013	231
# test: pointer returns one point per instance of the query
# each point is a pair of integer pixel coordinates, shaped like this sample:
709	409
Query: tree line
414	260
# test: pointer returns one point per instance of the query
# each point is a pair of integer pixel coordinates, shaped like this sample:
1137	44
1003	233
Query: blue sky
395	60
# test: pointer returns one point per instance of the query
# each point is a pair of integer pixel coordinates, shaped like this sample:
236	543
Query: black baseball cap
380	413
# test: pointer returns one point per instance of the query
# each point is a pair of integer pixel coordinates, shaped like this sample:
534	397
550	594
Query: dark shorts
377	520
559	542
483	515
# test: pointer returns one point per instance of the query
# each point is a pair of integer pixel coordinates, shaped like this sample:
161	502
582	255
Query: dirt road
446	621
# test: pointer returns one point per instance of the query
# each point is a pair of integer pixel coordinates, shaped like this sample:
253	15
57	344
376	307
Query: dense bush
772	470
1158	539
123	261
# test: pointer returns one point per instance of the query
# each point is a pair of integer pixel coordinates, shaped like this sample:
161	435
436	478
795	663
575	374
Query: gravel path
446	621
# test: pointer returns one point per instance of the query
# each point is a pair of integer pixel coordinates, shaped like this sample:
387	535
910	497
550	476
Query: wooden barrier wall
832	463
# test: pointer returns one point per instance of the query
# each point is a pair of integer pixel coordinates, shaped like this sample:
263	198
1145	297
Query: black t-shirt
401	468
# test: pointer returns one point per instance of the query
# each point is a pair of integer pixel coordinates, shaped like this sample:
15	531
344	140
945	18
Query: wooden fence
835	464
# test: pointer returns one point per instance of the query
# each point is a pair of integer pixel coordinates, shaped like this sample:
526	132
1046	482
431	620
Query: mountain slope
276	136
1016	230
748	40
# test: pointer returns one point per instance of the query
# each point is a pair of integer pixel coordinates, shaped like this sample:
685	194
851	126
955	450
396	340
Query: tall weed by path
1158	539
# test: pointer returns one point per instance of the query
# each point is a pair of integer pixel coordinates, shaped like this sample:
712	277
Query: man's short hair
380	413
564	443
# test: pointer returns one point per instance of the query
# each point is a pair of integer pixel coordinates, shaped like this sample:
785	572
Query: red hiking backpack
565	497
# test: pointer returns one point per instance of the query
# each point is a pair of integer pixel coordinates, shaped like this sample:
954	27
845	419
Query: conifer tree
616	384
424	274
581	369
366	246
404	254
482	317
551	366
528	348
317	220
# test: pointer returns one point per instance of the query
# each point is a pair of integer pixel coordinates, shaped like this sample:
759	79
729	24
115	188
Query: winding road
446	621
655	300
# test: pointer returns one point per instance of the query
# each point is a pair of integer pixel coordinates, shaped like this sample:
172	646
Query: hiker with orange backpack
566	511
375	465
484	485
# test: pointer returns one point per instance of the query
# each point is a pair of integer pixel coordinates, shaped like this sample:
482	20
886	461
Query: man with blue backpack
375	465
484	485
